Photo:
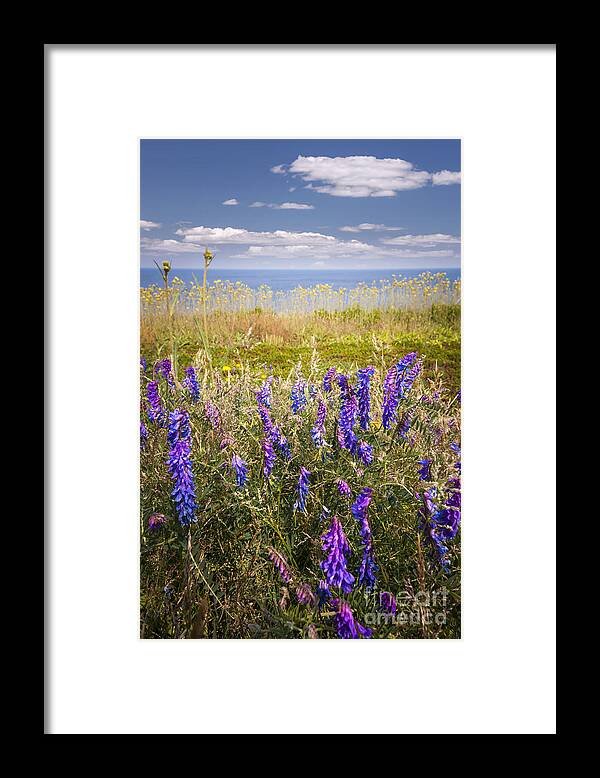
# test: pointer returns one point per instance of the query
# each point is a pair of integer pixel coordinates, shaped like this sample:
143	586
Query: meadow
300	461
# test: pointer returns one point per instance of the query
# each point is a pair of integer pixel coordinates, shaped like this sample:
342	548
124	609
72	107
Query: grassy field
300	472
345	338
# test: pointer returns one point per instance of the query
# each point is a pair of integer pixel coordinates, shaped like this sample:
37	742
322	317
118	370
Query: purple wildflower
390	397
155	410
180	466
226	442
318	431
156	520
191	382
337	549
143	434
298	396
364	453
328	379
396	385
282	443
241	470
364	395
407	377
348	410
343	488
405	422
305	595
163	367
268	456
439	525
274	433
387	602
264	394
302	490
346	625
323	593
143	364
456	448
359	510
281	564
425	469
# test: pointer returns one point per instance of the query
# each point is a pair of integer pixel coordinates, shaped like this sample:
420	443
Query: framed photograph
295	298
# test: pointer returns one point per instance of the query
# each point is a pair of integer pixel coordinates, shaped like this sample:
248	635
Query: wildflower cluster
277	468
180	466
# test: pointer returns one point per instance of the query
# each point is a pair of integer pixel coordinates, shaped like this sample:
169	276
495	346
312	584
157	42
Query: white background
499	678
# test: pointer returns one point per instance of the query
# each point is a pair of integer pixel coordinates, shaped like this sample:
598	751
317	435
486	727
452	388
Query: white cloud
146	225
169	246
232	201
237	235
358	176
283	206
362	176
366	226
421	240
339	250
445	177
292	189
292	206
309	246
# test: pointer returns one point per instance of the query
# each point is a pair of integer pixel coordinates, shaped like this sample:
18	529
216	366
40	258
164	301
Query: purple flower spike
364	395
298	396
406	377
405	423
439	525
143	364
387	602
163	367
264	394
305	595
346	625
348	410
368	568
364	453
281	564
155	410
274	433
337	549
302	490
343	488
156	521
241	470
323	593
425	469
268	457
180	466
396	385
390	398
143	434
328	379
191	382
318	431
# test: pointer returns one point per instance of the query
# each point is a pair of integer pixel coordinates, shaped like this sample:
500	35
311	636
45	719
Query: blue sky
302	204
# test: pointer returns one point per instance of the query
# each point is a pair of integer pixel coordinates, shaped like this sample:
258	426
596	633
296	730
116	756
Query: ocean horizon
282	280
